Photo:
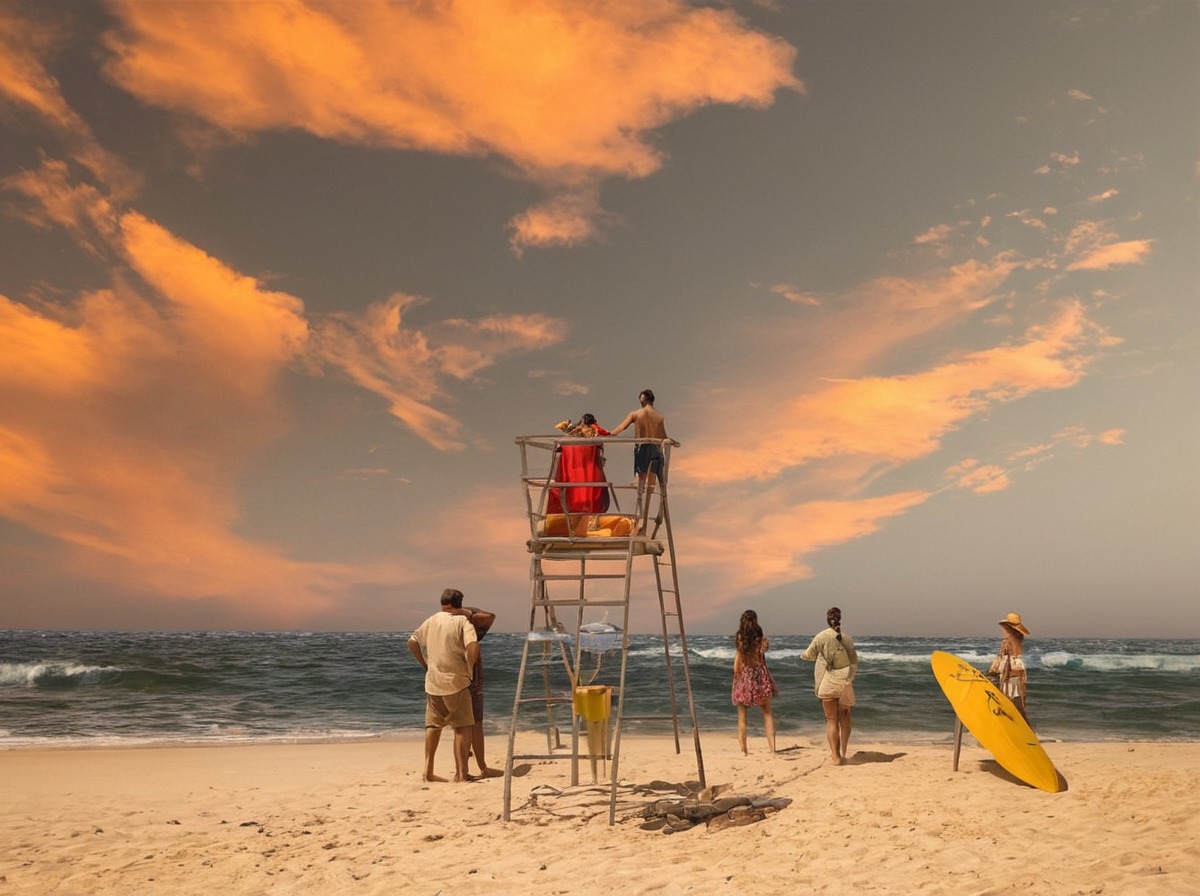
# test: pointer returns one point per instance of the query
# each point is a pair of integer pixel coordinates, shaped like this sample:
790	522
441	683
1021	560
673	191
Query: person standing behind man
647	423
481	621
447	648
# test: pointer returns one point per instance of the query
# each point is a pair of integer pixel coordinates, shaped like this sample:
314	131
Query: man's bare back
647	422
649	463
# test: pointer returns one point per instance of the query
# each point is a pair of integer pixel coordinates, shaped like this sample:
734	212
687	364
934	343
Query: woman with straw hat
1008	667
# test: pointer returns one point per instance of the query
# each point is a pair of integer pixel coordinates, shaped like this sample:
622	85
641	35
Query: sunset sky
916	284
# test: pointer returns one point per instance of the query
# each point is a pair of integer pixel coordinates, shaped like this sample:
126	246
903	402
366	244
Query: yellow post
594	704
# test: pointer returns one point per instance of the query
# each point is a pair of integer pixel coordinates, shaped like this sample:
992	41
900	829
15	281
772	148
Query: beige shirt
443	638
838	654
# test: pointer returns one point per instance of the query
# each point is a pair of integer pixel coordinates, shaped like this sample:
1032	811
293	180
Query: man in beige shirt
447	647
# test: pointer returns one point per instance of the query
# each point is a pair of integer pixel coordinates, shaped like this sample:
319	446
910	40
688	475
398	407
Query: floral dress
753	683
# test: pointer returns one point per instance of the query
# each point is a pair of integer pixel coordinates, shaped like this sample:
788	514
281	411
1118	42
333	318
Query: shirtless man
647	423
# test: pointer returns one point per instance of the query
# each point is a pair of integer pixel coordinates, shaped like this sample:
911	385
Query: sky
915	284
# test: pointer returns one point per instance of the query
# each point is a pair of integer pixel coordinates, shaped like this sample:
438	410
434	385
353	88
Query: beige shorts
452	709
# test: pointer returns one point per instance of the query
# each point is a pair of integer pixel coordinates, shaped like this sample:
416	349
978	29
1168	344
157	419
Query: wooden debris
706	808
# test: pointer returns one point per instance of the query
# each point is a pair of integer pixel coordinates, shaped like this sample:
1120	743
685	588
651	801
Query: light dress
1011	670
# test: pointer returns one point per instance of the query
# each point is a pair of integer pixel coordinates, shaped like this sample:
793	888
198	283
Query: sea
103	689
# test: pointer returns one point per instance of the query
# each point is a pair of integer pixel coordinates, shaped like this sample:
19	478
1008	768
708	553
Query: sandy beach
357	818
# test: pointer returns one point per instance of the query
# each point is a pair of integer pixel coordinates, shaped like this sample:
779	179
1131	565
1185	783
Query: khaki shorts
452	709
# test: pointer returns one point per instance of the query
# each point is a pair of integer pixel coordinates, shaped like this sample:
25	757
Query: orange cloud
131	496
796	296
464	347
567	219
981	479
227	317
1111	255
402	365
1096	247
819	403
130	413
738	547
1073	436
486	523
566	93
976	476
49	197
829	426
24	81
935	234
29	90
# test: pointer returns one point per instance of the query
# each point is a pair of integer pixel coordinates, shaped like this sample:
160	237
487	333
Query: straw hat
1014	619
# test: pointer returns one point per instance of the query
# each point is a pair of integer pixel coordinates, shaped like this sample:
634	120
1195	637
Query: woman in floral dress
752	681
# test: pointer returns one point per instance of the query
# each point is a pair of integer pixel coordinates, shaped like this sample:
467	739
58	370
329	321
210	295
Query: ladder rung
564	602
579	578
546	701
517	756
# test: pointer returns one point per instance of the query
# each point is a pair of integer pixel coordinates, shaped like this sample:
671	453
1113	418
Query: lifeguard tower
588	557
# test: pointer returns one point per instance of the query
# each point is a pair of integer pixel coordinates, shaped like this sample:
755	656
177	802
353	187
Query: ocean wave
1115	662
722	654
973	654
52	672
974	657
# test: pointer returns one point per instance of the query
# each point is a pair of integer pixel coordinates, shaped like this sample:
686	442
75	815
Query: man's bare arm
626	423
481	619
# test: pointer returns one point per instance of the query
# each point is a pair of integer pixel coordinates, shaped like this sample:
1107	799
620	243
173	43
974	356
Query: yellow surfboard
994	721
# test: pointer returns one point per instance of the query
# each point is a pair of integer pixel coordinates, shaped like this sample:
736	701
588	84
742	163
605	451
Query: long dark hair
749	634
833	616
